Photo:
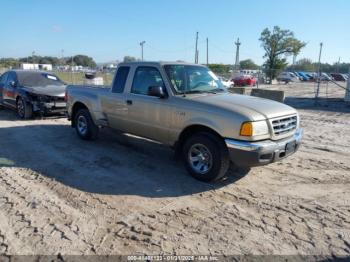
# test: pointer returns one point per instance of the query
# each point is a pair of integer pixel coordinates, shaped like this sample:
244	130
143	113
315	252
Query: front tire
206	157
24	110
85	126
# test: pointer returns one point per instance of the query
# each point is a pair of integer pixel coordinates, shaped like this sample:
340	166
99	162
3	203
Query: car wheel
24	110
206	157
85	126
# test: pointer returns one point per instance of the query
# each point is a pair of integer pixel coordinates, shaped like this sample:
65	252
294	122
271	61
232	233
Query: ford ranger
186	107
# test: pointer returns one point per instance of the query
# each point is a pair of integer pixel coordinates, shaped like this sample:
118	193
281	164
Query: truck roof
161	63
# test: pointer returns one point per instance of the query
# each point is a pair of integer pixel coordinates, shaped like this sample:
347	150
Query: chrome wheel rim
82	125
200	158
20	108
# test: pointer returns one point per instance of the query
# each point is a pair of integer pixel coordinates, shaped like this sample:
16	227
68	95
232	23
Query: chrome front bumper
245	153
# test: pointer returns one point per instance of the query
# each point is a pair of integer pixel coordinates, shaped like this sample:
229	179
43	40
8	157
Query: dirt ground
126	195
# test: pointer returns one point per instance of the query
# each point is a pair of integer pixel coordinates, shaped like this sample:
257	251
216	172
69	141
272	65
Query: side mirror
157	91
12	83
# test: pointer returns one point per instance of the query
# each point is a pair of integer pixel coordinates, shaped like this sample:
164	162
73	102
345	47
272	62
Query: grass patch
78	78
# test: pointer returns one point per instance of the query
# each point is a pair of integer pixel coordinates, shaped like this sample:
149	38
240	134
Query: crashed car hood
53	90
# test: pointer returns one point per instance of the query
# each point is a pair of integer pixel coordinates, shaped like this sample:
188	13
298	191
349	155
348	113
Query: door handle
129	102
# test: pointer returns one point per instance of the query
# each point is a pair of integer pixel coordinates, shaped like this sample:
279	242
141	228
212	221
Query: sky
108	30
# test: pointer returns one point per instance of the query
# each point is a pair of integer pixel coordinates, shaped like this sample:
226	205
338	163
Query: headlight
254	128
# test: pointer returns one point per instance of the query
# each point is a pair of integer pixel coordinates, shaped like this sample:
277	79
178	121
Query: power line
171	51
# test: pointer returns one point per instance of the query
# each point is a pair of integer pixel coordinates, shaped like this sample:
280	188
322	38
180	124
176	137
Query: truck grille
284	125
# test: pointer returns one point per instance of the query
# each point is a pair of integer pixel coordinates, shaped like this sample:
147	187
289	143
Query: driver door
148	116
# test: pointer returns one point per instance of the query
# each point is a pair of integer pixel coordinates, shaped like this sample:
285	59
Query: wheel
206	157
24	110
85	126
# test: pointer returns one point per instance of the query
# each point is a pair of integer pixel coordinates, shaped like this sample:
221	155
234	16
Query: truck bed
93	88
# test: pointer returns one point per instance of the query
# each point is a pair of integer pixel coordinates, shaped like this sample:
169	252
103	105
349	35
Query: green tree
277	45
248	64
219	68
304	64
9	63
83	60
129	59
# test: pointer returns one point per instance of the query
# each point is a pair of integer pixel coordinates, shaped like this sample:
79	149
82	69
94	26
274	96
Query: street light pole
142	44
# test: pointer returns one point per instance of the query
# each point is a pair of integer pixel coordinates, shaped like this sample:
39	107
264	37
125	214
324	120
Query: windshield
193	79
30	79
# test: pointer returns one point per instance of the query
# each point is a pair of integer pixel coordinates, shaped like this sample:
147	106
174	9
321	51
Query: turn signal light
247	129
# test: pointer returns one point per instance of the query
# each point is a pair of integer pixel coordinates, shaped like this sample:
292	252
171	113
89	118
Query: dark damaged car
32	92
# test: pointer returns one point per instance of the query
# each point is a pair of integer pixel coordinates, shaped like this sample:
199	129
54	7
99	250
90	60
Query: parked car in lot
245	80
186	107
287	77
325	77
303	76
30	92
338	77
227	83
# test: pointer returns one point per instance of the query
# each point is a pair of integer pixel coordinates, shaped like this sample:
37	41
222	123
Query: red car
245	80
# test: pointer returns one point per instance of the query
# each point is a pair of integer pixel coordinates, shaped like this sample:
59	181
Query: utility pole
237	43
142	44
319	74
207	51
196	51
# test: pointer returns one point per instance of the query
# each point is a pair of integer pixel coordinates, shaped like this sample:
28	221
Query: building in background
28	66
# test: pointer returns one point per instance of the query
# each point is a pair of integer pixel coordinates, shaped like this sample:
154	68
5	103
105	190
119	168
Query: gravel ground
126	195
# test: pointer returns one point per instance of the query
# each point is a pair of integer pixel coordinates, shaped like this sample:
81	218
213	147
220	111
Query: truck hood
252	107
53	90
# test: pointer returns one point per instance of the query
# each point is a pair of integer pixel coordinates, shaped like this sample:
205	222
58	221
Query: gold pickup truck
187	107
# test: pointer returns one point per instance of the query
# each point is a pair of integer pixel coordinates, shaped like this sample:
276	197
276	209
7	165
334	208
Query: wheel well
190	130
76	107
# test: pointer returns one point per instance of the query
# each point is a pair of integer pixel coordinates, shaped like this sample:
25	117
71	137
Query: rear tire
85	126
206	157
24	109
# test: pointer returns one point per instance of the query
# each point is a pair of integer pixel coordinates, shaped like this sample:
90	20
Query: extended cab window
144	78
120	79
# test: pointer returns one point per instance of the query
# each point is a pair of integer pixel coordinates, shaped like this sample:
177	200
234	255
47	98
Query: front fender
24	94
201	121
